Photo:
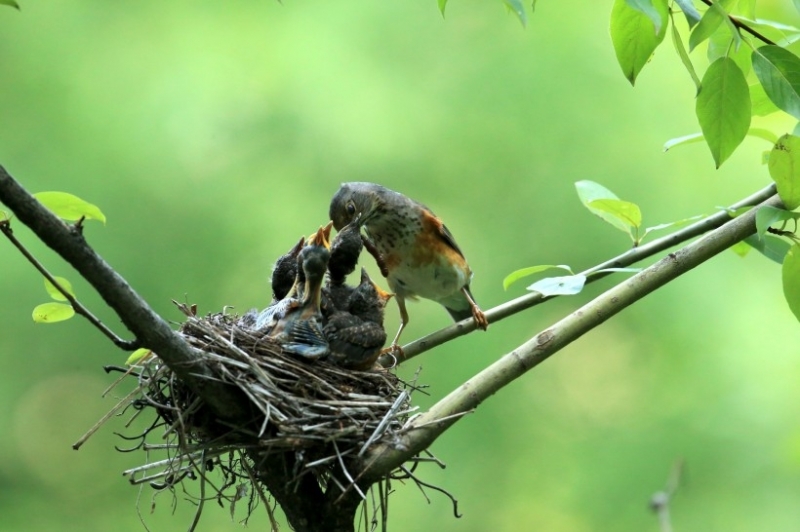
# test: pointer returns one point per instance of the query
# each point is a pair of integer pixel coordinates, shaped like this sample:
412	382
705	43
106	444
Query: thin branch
127	345
386	457
632	256
147	326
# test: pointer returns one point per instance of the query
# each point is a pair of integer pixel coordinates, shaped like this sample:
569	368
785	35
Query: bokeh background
213	134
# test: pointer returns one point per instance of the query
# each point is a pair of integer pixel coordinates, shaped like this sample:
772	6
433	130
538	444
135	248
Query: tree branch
632	256
148	327
742	26
428	426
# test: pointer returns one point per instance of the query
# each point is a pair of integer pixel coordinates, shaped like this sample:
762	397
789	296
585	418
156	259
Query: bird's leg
477	313
394	349
375	253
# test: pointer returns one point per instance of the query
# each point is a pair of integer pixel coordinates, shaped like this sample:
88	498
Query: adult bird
414	249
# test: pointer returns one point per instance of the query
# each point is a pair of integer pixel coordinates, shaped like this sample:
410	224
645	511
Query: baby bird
356	335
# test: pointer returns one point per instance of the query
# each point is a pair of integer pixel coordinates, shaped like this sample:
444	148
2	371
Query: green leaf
772	247
676	223
760	104
518	9
531	270
69	207
784	168
589	191
646	7
442	5
633	36
712	19
721	44
767	216
54	292
691	13
778	70
741	248
559	286
723	108
626	212
52	312
137	356
680	141
681	49
791	279
11	3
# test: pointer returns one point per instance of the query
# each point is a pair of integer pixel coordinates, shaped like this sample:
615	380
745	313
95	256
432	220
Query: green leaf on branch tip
680	141
767	216
691	13
633	36
54	292
69	207
516	7
138	356
772	247
531	270
559	286
589	192
11	3
784	168
712	19
626	212
723	108
791	279
681	49
778	70
442	5
648	9
52	312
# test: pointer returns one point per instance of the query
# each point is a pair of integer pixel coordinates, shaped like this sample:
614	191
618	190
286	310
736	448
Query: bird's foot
480	317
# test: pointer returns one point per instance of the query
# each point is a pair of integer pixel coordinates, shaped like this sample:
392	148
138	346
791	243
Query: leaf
69	207
589	191
723	108
11	3
680	141
442	5
721	44
525	272
646	7
633	36
760	104
712	19
54	292
681	49
691	13
52	312
741	248
772	247
782	34
559	286
778	70
767	216
676	223
518	9
784	168
791	279
626	212
137	356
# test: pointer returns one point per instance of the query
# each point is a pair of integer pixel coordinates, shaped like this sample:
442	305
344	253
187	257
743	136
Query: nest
321	415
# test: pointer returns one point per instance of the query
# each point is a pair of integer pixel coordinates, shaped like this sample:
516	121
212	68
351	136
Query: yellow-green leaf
54	292
784	168
525	272
69	207
791	279
633	36
138	356
625	211
52	312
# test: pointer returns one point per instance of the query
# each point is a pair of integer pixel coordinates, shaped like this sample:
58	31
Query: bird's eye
351	208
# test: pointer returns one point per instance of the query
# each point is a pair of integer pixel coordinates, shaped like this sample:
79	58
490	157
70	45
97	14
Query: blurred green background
213	134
